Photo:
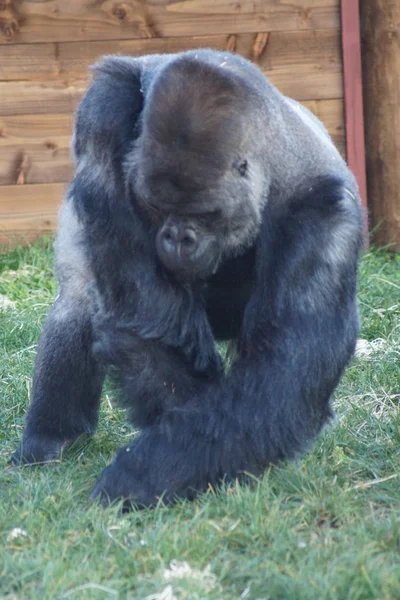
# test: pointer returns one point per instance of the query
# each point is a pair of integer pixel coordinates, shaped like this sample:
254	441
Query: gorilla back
205	206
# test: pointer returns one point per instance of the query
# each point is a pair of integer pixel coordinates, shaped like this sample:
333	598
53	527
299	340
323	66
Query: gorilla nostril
168	245
169	238
187	242
188	238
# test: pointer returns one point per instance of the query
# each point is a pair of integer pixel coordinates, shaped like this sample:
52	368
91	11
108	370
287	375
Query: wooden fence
47	46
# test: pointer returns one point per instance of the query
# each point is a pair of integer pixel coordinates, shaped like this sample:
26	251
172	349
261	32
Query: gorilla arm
152	330
67	378
119	247
298	334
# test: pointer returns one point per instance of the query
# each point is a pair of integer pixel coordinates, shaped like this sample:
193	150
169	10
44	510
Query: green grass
327	526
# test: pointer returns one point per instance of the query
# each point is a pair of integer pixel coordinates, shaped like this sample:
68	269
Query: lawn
327	526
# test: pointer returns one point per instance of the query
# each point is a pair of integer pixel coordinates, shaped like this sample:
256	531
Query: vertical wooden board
331	113
303	65
380	22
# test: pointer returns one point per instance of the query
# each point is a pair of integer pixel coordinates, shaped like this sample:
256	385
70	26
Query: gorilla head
193	169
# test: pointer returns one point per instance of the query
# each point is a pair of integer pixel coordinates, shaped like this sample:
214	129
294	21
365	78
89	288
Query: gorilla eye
216	214
242	168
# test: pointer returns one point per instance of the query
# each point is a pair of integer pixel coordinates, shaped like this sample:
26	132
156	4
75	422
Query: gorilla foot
40	449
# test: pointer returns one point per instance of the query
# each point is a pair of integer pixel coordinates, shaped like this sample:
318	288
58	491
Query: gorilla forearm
161	351
268	408
152	377
66	386
131	300
157	337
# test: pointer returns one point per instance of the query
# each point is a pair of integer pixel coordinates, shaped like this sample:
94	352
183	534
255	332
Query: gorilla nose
178	239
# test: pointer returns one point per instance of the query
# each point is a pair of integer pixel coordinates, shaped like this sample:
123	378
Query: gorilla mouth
189	270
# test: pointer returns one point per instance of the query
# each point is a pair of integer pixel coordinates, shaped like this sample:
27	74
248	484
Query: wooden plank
28	21
380	26
20	62
26	97
72	60
353	96
304	65
19	98
36	148
58	61
331	113
28	211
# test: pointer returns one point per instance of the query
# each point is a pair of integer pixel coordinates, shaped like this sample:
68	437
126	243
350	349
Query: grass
327	526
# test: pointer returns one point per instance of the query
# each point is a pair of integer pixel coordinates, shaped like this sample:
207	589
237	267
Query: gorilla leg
66	385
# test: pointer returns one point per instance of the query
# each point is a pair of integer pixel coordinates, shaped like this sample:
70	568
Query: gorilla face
196	228
194	173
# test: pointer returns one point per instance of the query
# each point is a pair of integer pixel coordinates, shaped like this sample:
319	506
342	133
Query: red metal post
353	98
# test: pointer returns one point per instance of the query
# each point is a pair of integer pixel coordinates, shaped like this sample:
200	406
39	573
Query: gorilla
205	206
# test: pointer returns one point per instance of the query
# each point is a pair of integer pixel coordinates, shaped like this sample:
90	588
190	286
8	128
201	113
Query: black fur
284	289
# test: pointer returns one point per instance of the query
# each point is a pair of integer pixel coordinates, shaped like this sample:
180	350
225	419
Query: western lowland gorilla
205	206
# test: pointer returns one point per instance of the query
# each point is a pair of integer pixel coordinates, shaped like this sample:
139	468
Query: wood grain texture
380	30
28	211
35	149
305	65
71	61
30	97
27	21
331	113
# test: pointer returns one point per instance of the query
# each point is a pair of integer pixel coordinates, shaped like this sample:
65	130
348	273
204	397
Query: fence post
380	35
